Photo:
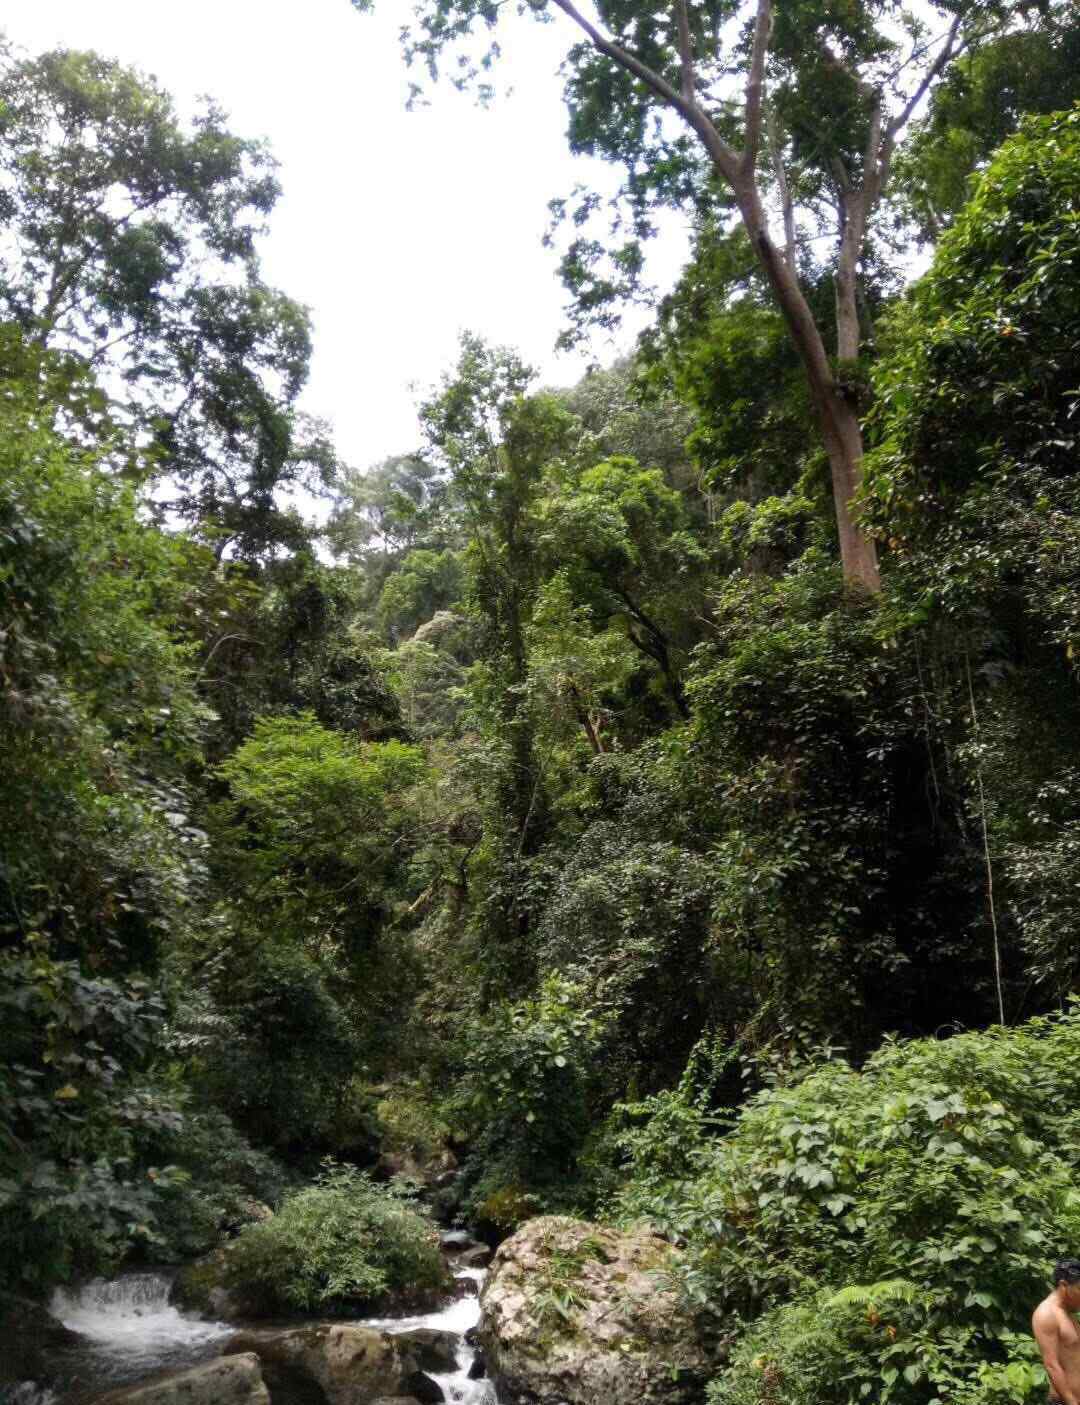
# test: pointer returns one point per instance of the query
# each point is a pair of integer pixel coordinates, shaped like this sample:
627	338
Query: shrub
411	1126
895	1225
341	1244
525	1092
218	1181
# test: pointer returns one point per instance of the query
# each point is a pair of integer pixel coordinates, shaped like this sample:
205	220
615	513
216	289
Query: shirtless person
1058	1333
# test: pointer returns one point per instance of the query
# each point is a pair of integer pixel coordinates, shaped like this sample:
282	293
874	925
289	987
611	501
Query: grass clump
341	1244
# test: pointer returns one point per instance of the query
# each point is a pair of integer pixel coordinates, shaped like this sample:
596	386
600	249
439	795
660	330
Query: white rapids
133	1327
459	1317
134	1331
132	1317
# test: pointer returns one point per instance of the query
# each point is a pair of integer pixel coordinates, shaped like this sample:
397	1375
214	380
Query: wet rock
396	1400
424	1171
434	1350
466	1287
454	1239
478	1369
231	1380
422	1388
479	1256
202	1287
625	1338
30	1338
350	1365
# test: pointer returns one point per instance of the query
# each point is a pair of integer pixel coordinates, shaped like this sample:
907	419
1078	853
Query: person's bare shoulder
1044	1320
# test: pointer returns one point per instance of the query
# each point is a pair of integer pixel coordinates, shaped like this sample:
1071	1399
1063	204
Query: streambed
131	1331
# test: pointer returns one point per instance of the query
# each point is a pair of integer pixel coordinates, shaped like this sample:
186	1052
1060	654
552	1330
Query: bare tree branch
686	52
726	160
872	170
946	53
841	175
624	58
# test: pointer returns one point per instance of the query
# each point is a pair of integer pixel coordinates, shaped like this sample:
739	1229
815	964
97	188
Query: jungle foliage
556	808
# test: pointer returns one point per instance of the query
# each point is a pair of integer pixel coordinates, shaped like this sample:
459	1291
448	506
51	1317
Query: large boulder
203	1286
231	1380
349	1365
31	1338
574	1313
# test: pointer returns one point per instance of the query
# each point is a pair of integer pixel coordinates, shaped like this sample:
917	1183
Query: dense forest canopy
656	795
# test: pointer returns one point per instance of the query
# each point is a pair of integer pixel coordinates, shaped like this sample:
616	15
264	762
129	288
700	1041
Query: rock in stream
619	1335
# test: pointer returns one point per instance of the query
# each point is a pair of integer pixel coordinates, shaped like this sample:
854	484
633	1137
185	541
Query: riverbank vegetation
564	803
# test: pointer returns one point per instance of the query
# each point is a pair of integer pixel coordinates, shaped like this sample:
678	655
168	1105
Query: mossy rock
503	1211
206	1287
30	1339
577	1312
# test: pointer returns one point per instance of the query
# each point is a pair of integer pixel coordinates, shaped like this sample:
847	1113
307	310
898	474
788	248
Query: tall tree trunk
848	334
836	416
737	169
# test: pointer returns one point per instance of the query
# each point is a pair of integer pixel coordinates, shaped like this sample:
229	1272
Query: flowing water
133	1331
458	1317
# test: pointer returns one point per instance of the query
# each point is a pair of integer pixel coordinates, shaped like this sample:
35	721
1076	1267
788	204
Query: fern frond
870	1294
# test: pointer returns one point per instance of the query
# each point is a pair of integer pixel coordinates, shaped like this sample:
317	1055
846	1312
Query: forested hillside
655	799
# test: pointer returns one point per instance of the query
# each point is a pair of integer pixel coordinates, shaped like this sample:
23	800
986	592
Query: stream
132	1331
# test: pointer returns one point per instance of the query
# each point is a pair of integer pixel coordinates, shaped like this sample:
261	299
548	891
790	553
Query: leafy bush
278	1050
410	1125
339	1245
72	1198
896	1225
525	1091
973	483
217	1182
628	921
844	901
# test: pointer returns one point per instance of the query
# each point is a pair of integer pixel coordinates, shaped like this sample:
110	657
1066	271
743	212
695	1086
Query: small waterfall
133	1331
132	1328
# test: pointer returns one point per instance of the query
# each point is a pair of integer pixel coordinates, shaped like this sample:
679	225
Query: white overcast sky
397	229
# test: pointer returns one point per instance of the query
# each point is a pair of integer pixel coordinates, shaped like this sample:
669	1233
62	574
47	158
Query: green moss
196	1282
504	1210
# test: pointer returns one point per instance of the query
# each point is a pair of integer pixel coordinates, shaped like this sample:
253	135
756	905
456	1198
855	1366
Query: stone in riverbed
30	1338
479	1256
350	1365
231	1380
625	1339
434	1350
454	1239
422	1388
202	1286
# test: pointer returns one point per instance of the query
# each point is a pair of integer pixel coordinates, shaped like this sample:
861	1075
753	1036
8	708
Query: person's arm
1046	1335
